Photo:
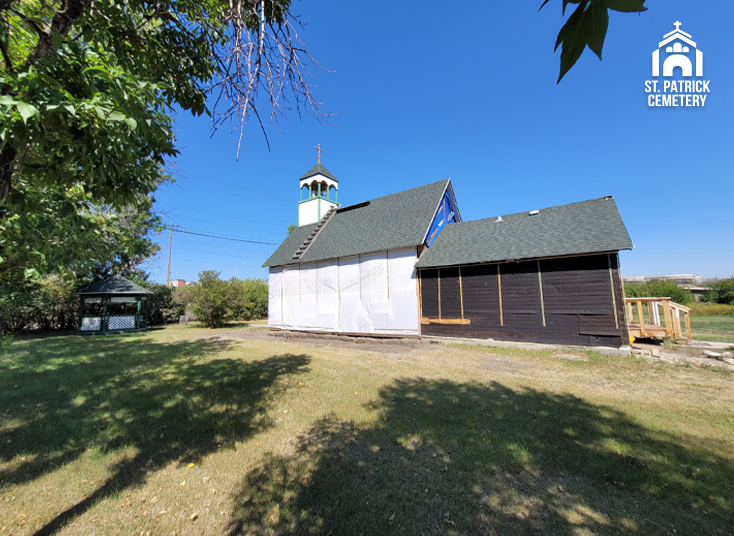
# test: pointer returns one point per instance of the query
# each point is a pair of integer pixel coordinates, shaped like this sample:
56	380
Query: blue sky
425	91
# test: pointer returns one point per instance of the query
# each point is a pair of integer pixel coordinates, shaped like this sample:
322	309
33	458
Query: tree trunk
7	168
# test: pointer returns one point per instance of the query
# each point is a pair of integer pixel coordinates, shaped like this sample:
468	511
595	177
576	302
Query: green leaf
566	2
26	110
56	40
131	122
596	22
7	100
573	39
625	6
117	116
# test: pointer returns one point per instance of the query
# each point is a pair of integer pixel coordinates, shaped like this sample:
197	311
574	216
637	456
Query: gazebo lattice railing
115	305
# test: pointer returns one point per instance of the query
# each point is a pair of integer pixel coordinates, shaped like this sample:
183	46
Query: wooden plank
668	320
462	321
499	287
461	294
642	319
540	285
614	298
650	314
688	328
419	293
439	293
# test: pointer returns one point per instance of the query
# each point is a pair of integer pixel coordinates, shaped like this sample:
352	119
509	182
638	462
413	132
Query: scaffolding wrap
369	294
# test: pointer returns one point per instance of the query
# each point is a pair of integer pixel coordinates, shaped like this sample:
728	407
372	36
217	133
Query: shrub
711	309
659	289
209	299
248	299
720	291
161	306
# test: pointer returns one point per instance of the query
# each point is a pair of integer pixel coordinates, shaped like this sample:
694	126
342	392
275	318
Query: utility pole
168	273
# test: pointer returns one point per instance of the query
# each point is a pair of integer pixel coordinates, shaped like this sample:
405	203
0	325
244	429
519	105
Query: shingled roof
592	226
115	285
318	168
391	222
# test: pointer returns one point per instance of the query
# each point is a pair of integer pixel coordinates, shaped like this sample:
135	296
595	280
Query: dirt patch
674	353
386	345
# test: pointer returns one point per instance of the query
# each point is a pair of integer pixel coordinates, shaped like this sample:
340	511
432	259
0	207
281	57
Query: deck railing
656	325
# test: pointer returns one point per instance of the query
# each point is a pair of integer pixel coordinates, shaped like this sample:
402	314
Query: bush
720	291
711	309
46	304
248	299
658	289
215	302
161	306
209	299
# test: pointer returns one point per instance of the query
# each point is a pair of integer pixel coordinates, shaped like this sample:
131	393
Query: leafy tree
86	92
720	291
209	299
587	27
659	288
247	299
292	227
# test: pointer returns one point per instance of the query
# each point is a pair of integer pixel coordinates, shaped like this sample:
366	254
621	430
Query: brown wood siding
450	293
429	293
577	294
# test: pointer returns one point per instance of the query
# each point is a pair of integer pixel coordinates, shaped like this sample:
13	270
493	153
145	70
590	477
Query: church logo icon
677	47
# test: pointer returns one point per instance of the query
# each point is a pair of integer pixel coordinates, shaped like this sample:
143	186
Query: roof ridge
403	191
520	212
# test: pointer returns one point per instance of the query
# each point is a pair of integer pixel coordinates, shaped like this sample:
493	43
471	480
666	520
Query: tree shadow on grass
170	402
449	458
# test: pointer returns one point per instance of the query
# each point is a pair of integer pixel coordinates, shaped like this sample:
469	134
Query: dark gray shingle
394	221
115	285
586	227
318	168
285	251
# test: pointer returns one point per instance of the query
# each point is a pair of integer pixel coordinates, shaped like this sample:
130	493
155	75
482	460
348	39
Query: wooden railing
668	325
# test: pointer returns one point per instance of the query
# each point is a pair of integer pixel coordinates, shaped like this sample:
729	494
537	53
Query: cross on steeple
677	25
319	150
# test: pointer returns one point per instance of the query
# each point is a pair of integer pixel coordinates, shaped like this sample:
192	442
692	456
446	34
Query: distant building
690	282
176	283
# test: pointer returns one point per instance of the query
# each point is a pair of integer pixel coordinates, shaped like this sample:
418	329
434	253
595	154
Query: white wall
375	293
313	210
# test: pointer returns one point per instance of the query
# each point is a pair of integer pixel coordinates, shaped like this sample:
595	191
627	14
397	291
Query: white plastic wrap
373	293
275	317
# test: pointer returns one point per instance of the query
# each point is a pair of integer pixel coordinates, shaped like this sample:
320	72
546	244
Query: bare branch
263	55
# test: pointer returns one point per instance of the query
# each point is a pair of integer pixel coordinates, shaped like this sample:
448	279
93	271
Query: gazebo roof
115	285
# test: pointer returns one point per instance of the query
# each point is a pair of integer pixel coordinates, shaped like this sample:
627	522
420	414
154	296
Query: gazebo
115	305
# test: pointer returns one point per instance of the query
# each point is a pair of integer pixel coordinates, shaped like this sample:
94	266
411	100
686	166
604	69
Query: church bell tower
319	190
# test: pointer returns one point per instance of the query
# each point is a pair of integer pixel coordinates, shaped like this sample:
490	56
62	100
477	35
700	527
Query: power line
283	233
207	244
182	172
279	203
177	229
222	254
221	215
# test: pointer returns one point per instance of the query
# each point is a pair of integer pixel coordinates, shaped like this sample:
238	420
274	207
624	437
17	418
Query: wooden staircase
298	255
667	325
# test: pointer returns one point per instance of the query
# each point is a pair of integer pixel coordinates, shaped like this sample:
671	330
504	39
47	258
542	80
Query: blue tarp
446	214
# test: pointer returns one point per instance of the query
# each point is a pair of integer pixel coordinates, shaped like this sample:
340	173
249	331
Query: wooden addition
566	300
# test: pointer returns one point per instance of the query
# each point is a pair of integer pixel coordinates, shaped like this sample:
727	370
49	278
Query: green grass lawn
713	328
188	431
